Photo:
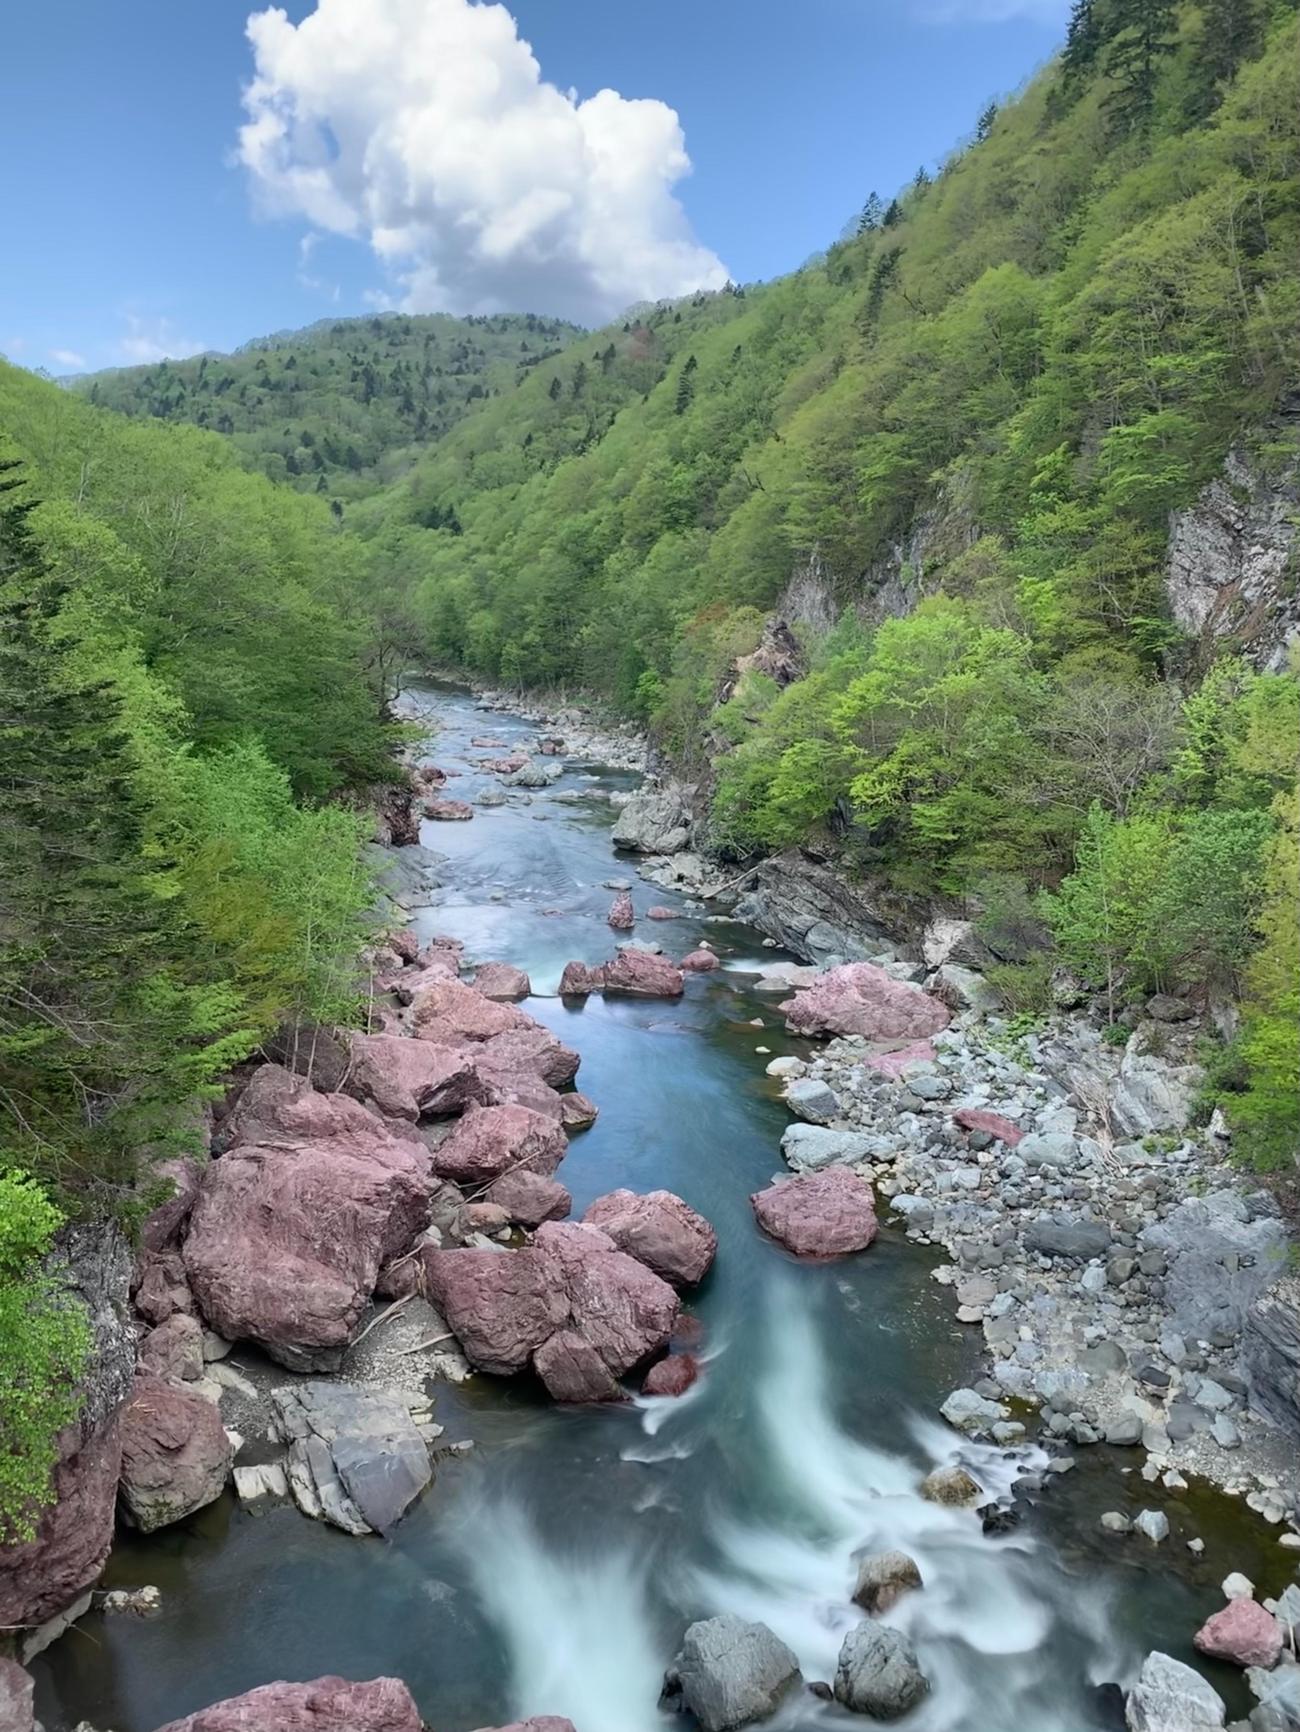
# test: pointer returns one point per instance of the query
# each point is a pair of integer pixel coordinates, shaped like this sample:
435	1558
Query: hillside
342	406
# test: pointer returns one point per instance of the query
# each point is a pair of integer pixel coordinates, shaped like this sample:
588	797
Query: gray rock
731	1673
1067	1236
965	989
971	1413
1163	1007
809	910
1219	1262
1113	1522
929	1088
1152	1524
1152	1094
812	1100
1051	1149
1279	1699
1271	1353
655	821
1171	1697
883	1579
1125	1432
878	1674
808	1148
356	1457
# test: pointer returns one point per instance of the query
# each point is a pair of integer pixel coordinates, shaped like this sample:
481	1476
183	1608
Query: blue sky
404	153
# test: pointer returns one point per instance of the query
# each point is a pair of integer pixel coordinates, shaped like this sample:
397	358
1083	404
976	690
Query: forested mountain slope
341	407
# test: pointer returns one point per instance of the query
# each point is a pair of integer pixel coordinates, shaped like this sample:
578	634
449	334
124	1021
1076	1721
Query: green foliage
1025	987
345	405
44	1341
1266	1115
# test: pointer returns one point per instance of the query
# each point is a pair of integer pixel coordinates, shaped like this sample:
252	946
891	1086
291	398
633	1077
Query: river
552	1569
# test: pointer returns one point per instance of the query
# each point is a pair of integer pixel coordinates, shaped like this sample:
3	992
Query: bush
44	1342
1025	987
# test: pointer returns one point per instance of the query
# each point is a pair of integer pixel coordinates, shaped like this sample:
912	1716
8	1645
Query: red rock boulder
450	1013
502	982
405	944
324	1705
176	1456
490	1141
825	1214
288	1237
992	1124
502	1305
894	1062
659	1230
637	974
448	811
624	1309
859	998
698	962
414	1079
528	1049
671	1376
577	1112
581	979
529	1198
622	916
1243	1634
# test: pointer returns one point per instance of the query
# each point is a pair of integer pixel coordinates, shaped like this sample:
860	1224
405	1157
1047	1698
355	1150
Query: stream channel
552	1569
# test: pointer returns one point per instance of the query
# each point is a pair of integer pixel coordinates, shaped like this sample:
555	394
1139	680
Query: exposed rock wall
809	909
1231	572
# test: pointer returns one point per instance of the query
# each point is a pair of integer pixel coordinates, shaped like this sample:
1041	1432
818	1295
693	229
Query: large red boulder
405	944
324	1705
160	1287
577	1112
413	1079
450	1013
637	974
581	979
530	1049
490	1141
1243	1634
502	1305
671	1376
992	1124
448	811
698	962
622	915
288	1236
175	1453
659	1230
624	1309
572	1281
502	981
407	986
859	998
278	1106
825	1214
16	1687
529	1198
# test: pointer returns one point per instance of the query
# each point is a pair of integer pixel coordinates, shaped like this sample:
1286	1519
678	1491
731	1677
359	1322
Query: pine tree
686	386
1230	33
984	125
872	213
1145	32
893	215
1083	41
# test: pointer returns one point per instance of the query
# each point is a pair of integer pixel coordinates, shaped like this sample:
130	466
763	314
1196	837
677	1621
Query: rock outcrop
632	974
809	910
489	1142
48	1574
1271	1351
1229	561
356	1458
1171	1697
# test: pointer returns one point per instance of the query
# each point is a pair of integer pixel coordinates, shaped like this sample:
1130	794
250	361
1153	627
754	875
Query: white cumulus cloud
67	358
425	128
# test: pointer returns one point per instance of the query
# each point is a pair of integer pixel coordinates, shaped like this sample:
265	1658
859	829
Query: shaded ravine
553	1569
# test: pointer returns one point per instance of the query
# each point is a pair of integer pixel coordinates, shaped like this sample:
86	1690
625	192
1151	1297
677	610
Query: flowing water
552	1570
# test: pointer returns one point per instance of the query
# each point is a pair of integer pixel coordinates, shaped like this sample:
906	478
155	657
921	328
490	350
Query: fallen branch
382	1318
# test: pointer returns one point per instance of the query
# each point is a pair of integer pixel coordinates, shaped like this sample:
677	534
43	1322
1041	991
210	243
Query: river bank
553	1566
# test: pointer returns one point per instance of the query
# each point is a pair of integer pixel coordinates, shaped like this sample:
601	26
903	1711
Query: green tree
1266	1116
1143	34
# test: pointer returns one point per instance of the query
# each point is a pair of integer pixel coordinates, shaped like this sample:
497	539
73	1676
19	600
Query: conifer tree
984	125
872	213
1144	36
1230	33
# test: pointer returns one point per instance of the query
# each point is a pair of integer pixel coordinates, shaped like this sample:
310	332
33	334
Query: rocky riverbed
627	1403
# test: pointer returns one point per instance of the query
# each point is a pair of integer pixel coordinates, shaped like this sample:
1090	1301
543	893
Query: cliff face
1233	569
45	1577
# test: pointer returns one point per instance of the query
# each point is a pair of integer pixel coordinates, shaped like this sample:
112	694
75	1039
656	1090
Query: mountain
341	406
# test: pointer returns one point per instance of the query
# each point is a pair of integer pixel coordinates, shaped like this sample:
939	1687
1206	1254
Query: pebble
1152	1524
